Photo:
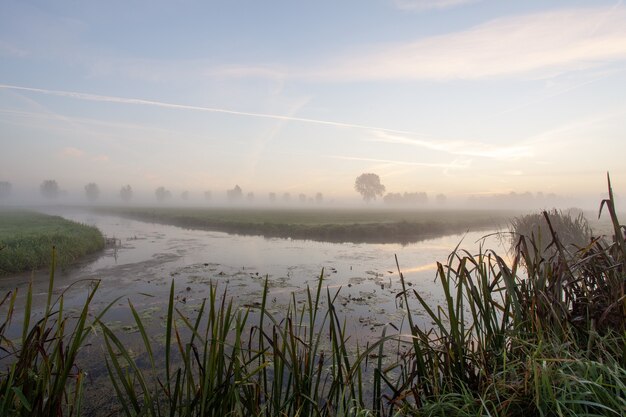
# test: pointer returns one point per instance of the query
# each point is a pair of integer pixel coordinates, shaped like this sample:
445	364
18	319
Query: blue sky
455	96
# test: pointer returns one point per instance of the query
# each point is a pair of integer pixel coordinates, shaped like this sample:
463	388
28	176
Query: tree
207	195
441	198
369	186
319	198
250	197
162	194
126	193
49	189
5	190
92	191
302	198
287	197
235	194
185	195
272	197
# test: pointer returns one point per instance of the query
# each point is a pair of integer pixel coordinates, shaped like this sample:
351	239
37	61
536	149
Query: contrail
123	100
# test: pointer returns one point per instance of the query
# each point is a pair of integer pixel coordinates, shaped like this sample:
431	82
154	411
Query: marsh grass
327	225
39	376
26	239
542	333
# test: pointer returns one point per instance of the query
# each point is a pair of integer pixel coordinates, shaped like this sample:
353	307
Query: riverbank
26	239
323	225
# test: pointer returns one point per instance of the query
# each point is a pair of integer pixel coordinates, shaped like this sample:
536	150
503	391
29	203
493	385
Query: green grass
330	225
26	239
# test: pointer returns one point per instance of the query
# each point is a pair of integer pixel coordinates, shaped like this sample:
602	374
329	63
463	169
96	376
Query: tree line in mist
368	185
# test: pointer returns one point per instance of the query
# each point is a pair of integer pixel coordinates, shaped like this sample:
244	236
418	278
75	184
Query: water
150	256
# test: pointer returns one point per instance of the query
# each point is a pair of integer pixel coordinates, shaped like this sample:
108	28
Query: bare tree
235	194
92	191
49	189
162	194
369	186
126	193
5	190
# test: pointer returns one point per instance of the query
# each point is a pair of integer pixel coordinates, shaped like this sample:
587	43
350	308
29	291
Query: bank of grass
324	224
541	334
26	239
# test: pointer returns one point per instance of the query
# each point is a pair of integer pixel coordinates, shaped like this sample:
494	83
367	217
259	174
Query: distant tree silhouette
250	197
319	198
207	195
5	190
184	195
235	194
369	186
272	197
302	198
406	198
162	194
286	197
126	193
49	189
92	191
441	198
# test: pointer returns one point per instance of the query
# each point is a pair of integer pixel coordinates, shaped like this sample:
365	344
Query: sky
461	97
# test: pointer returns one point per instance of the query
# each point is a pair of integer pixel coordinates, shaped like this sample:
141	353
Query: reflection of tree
92	191
126	193
49	189
369	186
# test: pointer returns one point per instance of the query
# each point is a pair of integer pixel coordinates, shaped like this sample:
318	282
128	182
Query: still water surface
149	256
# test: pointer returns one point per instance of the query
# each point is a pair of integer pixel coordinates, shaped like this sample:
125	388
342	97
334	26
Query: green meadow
330	225
27	238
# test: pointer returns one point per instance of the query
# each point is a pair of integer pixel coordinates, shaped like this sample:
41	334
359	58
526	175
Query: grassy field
330	225
26	239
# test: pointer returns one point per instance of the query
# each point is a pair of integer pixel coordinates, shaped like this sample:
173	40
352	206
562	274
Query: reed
39	376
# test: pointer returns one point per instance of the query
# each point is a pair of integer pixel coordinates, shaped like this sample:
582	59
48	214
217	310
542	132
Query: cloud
430	4
449	165
7	48
71	152
536	45
101	158
459	147
174	106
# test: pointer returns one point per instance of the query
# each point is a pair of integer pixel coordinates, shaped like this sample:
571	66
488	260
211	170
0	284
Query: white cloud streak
137	101
450	165
536	45
420	5
462	148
